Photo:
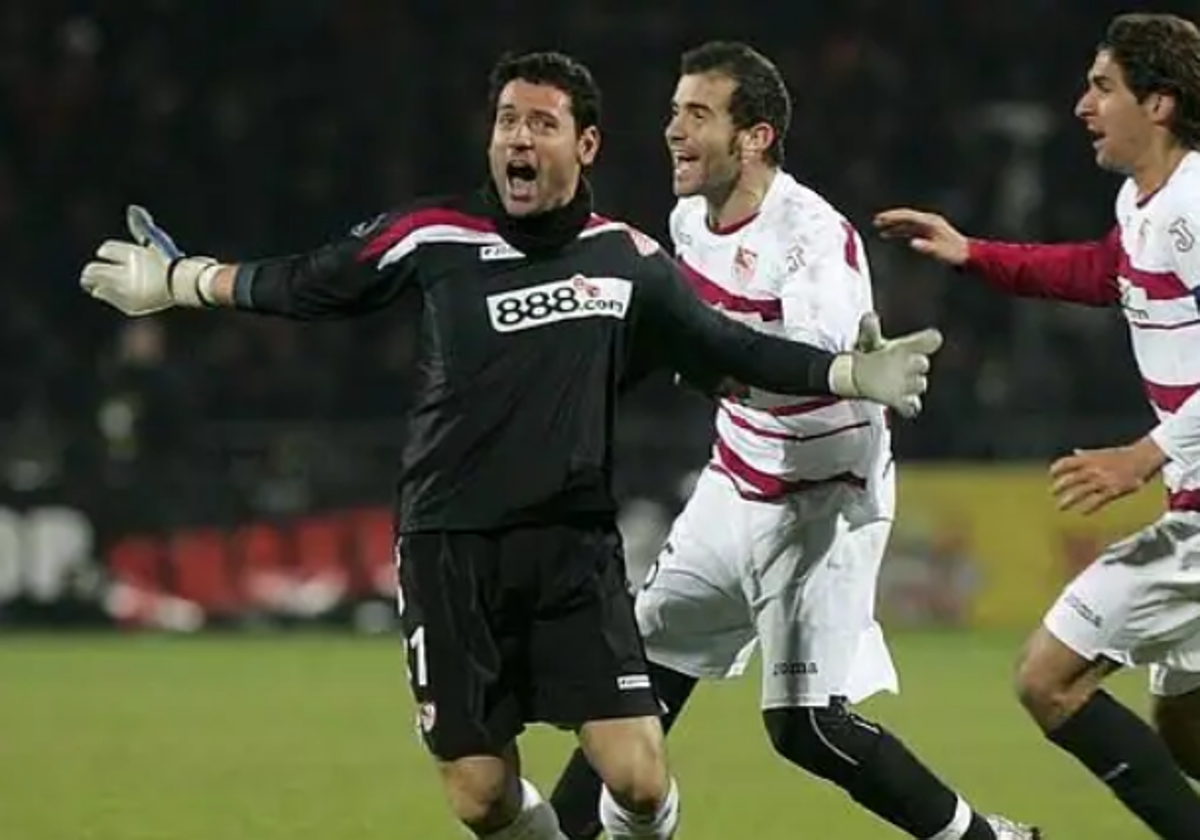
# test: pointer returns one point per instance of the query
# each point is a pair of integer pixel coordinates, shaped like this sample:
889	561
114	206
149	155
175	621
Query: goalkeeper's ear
146	233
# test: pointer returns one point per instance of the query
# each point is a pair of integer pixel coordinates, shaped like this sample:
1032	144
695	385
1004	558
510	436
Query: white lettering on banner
41	551
562	300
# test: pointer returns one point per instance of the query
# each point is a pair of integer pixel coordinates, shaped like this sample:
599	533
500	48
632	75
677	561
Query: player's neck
741	203
1156	168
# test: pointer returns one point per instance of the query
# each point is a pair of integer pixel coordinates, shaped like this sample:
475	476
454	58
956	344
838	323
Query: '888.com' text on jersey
561	300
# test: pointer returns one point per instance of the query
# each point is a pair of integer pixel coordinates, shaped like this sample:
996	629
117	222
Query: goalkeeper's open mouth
521	184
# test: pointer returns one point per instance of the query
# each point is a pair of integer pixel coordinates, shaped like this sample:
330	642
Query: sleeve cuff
840	376
1163	436
978	254
243	282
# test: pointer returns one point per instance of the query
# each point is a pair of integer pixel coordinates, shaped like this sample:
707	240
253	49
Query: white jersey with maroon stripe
796	269
1140	601
795	575
1159	283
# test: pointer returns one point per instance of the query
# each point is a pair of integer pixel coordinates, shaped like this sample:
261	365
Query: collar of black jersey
541	233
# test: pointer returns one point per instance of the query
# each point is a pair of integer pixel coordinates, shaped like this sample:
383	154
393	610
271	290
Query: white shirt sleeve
1179	435
825	285
675	225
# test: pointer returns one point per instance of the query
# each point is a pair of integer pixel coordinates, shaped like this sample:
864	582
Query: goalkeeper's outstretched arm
342	279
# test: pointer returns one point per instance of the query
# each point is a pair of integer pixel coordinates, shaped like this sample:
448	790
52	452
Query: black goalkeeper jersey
528	332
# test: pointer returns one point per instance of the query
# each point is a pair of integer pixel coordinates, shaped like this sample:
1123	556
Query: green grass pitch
312	738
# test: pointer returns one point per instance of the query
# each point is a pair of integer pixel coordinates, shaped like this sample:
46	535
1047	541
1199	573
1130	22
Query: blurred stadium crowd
258	126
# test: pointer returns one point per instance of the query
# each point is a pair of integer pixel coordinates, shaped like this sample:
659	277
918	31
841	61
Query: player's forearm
301	287
772	364
1078	272
229	285
707	348
218	288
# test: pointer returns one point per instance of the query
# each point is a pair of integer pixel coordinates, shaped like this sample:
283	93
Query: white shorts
792	575
1139	603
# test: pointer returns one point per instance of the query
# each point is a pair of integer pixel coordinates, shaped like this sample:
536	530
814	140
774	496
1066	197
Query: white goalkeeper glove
870	334
889	371
141	279
145	231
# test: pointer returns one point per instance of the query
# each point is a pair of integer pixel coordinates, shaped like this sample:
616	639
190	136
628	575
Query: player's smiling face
537	153
1122	128
701	136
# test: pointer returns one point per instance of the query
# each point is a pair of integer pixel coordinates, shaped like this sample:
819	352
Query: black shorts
530	624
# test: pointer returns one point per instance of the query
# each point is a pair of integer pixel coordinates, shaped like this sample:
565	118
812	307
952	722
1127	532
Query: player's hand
147	277
927	233
129	277
1090	479
888	371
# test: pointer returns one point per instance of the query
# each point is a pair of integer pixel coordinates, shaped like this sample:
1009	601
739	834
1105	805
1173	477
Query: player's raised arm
1078	272
359	273
705	346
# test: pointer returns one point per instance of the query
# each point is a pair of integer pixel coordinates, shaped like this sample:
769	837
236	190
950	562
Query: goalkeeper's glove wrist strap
841	376
191	279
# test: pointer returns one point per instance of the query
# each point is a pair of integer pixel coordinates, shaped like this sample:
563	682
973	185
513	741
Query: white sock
620	823
958	825
537	820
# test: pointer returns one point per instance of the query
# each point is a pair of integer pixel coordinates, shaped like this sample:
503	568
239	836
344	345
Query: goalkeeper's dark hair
1160	53
759	95
555	69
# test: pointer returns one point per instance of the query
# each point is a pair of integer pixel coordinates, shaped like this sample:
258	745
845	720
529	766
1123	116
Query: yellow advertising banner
985	546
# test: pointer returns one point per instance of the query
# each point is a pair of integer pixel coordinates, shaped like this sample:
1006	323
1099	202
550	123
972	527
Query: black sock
979	829
1125	753
899	788
871	765
576	796
576	799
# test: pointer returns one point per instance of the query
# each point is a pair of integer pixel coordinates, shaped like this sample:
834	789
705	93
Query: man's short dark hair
760	94
555	69
1160	53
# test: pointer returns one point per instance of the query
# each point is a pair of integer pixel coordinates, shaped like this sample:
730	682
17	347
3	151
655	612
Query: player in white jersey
1139	602
781	541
